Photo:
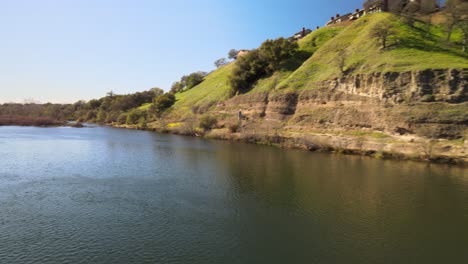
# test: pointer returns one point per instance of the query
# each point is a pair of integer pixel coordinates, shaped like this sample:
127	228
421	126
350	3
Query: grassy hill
216	88
410	48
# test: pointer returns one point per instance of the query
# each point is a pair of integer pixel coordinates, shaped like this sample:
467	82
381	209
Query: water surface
104	195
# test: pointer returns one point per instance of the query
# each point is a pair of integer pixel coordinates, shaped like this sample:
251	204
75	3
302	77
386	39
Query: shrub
122	119
233	126
142	122
207	122
134	116
163	102
428	98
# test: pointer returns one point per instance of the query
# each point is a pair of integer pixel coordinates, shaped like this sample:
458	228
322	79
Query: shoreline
420	150
424	150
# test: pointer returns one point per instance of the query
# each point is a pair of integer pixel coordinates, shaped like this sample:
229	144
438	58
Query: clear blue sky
67	50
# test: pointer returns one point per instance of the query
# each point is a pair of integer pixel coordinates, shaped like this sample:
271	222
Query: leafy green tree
122	119
194	79
101	116
268	58
176	87
246	71
275	52
134	116
163	102
156	92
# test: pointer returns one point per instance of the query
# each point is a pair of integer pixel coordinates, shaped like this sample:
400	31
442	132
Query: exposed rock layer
430	105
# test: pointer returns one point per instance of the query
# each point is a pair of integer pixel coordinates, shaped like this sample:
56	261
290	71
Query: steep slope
216	88
213	89
343	91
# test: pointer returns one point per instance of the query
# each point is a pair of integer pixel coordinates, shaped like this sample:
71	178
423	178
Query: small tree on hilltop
220	62
232	54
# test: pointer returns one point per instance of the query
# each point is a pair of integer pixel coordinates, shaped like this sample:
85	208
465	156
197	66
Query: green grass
307	47
410	49
145	107
213	89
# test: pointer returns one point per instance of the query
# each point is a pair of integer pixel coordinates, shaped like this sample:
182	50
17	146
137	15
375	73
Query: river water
105	195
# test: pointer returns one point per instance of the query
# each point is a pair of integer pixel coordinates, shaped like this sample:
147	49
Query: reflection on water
104	195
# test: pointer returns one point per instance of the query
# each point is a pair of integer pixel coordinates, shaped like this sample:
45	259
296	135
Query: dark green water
103	195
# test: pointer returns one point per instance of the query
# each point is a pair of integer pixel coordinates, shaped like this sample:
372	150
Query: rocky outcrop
392	87
431	103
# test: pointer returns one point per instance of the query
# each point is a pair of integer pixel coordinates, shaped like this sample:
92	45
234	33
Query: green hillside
409	48
216	88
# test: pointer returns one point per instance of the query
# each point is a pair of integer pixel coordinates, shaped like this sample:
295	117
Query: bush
142	122
234	126
134	116
163	102
122	119
428	98
207	122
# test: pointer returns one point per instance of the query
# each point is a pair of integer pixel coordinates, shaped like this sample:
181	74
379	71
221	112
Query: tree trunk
449	33
464	43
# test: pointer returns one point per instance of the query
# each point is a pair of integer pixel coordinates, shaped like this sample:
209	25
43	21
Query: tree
176	87
464	28
409	11
157	91
163	102
194	79
383	31
232	54
274	52
220	62
246	71
268	58
456	14
341	60
134	116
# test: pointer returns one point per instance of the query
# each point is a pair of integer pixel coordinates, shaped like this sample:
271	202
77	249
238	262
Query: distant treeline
28	121
132	109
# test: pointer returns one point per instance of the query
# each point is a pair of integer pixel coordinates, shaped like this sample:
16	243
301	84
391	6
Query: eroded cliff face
430	105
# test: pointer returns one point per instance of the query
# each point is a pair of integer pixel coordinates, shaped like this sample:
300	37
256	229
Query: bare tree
233	54
341	60
220	62
383	31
